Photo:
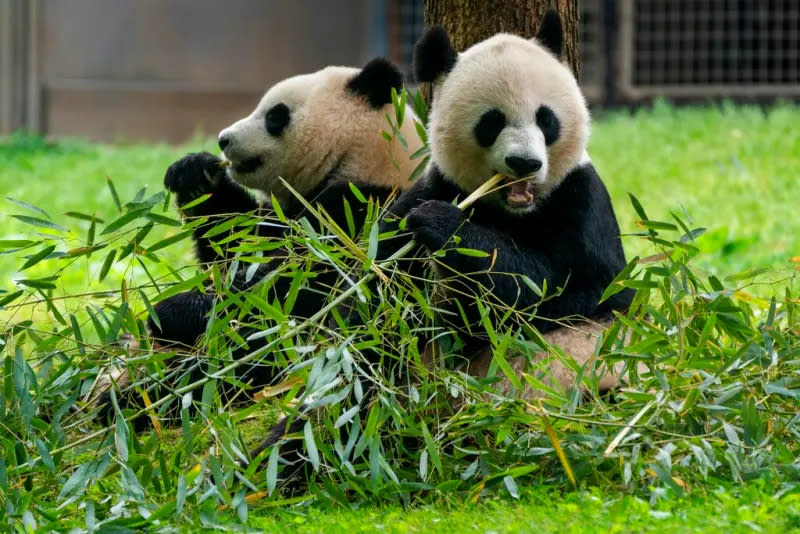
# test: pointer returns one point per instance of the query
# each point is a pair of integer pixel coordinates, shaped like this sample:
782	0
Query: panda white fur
320	132
509	105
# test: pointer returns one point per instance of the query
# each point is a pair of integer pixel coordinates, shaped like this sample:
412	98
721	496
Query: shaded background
163	70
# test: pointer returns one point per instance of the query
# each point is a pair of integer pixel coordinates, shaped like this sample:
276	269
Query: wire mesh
732	46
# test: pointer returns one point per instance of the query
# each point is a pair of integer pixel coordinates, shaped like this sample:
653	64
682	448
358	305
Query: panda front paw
434	222
194	175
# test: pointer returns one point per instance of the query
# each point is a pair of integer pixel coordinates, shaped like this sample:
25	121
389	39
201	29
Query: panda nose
223	141
523	166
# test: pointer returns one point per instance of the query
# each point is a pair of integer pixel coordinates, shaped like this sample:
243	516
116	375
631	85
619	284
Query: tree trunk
470	21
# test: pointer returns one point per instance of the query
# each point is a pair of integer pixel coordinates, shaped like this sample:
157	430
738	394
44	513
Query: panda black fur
320	132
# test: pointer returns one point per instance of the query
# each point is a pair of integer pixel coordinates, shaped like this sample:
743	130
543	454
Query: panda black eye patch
489	127
277	119
548	123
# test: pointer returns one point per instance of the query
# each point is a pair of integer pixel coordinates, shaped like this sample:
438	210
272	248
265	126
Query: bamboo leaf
29	206
35	221
16	243
114	194
346	417
311	446
196	202
76	330
169	241
372	244
430	446
107	264
511	486
657	225
272	469
39	256
121	221
11	297
162	219
616	284
83	251
557	445
40	283
472	252
637	206
83	216
357	192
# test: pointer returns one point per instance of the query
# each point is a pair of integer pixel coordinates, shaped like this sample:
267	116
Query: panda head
508	105
312	126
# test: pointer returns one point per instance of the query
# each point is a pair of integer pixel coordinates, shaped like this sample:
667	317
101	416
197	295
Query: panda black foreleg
181	320
199	174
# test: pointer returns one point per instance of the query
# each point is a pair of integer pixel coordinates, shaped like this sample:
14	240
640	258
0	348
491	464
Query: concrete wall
159	70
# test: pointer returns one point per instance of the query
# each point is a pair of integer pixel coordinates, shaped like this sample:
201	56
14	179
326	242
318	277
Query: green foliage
711	364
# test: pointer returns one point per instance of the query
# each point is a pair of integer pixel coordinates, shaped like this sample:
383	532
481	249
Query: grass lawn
734	170
541	510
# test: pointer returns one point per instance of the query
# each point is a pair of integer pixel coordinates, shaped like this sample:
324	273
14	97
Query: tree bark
471	21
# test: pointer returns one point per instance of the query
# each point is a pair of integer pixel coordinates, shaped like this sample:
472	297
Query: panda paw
434	222
194	175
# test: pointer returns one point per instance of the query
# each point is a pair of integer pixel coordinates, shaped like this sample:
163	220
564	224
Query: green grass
735	170
543	510
71	176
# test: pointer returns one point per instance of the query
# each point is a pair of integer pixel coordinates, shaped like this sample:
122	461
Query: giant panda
508	105
320	132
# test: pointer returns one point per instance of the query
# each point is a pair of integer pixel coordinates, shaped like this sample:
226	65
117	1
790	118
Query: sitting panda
320	132
508	105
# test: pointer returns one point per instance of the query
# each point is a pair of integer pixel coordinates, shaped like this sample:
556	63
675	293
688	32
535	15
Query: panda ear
433	55
551	33
375	82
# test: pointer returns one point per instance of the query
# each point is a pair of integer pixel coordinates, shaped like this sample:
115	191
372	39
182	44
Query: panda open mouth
520	192
247	166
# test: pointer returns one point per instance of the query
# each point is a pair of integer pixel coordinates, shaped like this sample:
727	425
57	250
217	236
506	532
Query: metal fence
709	48
592	47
